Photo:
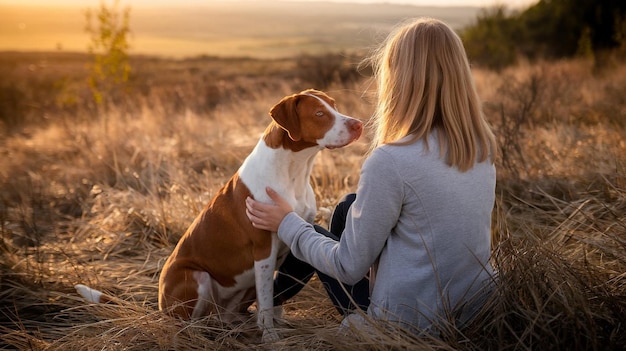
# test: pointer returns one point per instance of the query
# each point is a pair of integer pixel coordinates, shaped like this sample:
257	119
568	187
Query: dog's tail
92	295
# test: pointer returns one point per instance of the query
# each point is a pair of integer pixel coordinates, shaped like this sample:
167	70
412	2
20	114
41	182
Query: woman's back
436	256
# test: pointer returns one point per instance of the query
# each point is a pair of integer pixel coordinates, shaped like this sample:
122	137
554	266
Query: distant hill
248	28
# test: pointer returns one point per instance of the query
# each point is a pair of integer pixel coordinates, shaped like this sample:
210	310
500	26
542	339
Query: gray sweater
422	228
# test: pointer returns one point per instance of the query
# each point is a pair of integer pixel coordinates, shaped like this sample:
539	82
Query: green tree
547	29
110	68
490	41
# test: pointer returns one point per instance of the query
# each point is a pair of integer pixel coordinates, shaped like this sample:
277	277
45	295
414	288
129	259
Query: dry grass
102	201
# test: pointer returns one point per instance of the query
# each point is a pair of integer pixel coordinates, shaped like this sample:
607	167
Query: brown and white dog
222	262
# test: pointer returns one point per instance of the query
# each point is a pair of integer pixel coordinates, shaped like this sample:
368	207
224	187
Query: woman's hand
268	216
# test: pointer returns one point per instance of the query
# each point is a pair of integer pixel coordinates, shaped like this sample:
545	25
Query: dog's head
310	119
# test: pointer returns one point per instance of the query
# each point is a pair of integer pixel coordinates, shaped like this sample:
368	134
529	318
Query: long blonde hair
425	84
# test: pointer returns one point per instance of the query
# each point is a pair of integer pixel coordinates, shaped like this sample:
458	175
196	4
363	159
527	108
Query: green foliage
549	29
109	46
489	40
585	47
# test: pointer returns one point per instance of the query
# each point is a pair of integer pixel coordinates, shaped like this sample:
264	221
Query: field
262	29
100	194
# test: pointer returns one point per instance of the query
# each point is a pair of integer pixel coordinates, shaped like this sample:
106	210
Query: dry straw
81	204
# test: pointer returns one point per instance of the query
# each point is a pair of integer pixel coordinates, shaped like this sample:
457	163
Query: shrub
109	46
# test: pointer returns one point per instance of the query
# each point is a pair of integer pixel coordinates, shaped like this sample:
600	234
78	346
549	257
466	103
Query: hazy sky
83	3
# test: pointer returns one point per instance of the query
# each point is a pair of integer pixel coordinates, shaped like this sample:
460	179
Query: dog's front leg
264	280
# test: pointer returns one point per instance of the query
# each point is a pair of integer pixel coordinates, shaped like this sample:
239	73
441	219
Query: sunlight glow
186	3
262	28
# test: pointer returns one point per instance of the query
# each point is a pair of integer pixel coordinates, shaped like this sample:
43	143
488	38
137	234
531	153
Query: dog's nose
355	125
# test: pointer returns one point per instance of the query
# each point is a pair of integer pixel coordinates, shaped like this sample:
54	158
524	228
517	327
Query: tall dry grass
102	199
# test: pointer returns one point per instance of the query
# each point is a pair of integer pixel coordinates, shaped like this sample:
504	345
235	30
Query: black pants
293	274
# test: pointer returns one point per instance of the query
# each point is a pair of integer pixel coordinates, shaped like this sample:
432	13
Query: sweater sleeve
370	221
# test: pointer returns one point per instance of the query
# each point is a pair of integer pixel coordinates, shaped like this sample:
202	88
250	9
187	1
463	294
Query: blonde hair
425	84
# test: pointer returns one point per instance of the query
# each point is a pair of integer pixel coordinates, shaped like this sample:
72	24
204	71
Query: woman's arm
370	221
267	216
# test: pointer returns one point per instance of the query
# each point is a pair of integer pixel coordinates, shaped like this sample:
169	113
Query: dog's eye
319	113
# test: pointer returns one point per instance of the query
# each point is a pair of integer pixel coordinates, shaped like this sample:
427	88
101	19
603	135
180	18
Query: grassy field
100	194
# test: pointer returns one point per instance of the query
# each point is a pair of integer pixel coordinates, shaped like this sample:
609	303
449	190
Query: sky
509	3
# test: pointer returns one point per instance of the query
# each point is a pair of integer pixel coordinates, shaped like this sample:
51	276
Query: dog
221	263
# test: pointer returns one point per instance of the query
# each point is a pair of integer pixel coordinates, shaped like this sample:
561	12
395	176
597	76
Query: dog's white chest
287	172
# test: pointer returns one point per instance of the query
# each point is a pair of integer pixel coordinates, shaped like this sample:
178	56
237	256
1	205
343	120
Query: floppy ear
286	115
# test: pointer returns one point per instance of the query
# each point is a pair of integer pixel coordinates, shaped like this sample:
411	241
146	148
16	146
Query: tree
491	40
109	46
548	29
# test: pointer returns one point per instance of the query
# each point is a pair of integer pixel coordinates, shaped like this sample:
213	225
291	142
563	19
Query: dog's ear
285	113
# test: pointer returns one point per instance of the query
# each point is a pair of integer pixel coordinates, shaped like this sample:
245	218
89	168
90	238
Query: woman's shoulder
391	156
405	147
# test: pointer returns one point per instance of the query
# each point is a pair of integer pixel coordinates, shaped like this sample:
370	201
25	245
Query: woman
420	223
